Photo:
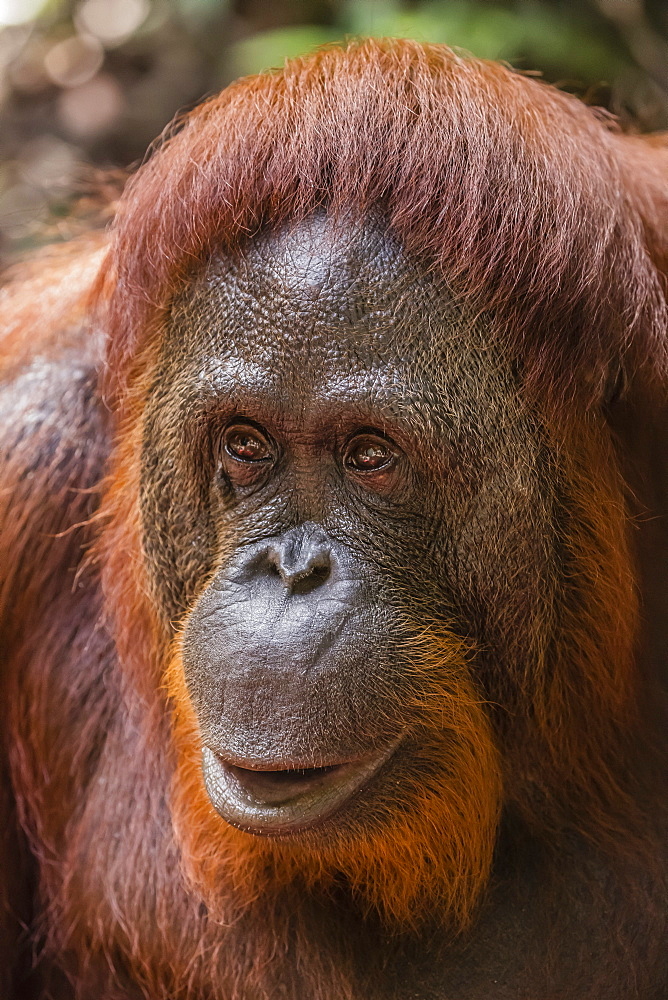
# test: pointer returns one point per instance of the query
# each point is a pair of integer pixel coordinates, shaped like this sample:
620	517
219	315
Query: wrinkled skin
310	575
300	587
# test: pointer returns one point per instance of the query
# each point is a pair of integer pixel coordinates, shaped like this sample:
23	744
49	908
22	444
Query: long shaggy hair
522	199
536	212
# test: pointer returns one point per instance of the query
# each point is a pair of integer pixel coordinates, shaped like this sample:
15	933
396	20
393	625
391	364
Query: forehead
322	316
322	325
320	296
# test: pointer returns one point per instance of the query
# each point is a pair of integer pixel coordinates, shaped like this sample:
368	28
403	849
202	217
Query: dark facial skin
333	456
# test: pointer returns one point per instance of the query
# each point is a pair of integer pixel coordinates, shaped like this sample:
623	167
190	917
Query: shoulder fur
53	435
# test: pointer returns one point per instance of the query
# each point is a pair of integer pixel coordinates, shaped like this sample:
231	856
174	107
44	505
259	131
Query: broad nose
300	560
302	557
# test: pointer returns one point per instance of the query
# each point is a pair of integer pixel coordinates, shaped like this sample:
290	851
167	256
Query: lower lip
283	803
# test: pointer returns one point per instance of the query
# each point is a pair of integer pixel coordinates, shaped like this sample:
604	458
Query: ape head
365	470
308	425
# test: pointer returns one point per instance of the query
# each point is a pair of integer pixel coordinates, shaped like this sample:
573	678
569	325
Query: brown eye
247	444
368	453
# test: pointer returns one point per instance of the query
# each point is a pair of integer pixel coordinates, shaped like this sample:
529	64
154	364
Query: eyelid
392	450
254	430
238	423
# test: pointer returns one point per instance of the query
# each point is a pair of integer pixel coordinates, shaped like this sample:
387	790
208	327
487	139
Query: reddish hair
520	195
535	210
426	849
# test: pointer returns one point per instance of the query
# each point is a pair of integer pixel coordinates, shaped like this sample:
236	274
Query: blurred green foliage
530	33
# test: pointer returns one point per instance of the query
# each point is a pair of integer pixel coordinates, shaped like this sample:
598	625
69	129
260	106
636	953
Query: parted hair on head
521	198
519	194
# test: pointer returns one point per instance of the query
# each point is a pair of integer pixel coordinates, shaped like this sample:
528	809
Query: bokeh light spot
112	21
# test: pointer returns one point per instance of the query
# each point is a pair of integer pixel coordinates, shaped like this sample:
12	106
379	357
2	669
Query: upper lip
284	797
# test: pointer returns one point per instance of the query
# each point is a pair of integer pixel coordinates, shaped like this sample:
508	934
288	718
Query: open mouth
284	801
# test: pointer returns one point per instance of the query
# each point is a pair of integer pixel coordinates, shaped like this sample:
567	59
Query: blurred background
85	85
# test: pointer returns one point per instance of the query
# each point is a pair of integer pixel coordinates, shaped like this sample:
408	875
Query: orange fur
484	174
578	708
427	849
537	214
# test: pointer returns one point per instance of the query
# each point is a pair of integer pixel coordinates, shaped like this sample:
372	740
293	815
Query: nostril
303	583
301	559
274	568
